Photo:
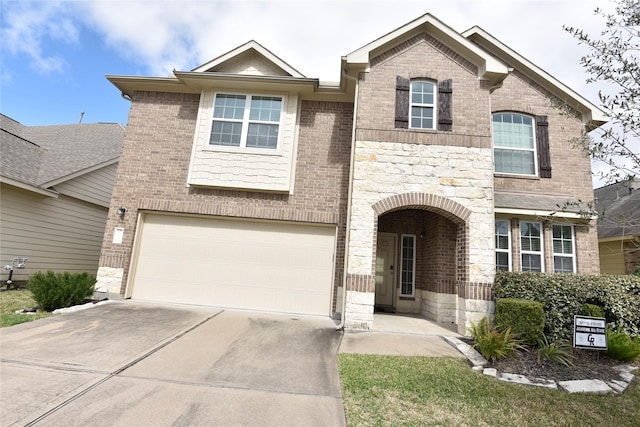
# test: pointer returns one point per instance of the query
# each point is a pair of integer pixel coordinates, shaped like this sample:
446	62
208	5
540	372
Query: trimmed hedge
563	296
525	318
58	290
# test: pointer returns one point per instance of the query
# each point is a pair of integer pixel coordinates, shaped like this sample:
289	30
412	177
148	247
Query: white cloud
27	28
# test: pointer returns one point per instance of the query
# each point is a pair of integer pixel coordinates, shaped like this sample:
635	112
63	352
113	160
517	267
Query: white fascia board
128	84
618	238
550	214
252	44
80	173
596	114
488	66
28	187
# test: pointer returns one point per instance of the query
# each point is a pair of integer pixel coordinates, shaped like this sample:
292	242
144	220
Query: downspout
349	193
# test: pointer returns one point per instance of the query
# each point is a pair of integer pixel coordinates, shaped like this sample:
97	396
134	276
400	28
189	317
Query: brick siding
153	169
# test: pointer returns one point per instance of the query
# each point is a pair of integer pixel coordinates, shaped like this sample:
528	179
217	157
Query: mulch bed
588	365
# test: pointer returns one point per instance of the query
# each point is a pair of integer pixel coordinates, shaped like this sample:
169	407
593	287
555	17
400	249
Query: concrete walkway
402	335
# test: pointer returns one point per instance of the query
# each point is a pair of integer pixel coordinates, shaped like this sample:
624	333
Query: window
563	253
246	121
503	240
408	265
422	105
531	246
514	144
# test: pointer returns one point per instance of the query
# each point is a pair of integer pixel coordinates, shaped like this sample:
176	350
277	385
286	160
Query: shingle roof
39	155
618	207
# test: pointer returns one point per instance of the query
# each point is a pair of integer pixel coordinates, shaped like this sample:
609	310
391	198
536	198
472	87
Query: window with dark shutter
402	102
542	139
445	94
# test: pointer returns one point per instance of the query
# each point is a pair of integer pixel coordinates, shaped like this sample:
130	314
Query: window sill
239	150
507	175
407	298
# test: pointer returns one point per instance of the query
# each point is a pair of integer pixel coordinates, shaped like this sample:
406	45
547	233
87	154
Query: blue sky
54	55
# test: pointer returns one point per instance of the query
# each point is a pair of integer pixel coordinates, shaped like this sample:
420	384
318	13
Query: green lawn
423	391
13	300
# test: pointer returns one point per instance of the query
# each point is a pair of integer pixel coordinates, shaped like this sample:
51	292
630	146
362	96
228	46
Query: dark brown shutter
402	102
542	139
445	95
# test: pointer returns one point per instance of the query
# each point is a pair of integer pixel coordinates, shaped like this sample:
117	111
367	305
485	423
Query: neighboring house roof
43	156
618	206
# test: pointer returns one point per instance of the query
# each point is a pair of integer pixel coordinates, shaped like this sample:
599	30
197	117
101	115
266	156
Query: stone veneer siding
152	176
455	182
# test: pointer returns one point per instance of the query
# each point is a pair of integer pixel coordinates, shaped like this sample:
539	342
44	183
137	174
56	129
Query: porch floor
411	324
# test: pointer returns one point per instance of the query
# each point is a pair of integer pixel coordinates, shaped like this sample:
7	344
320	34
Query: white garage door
258	265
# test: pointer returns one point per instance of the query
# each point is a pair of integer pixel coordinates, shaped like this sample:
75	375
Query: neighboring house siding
612	258
94	187
59	234
152	173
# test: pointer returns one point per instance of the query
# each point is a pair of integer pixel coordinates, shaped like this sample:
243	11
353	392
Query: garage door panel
272	266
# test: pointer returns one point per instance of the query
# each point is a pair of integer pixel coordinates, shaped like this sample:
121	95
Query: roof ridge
23	139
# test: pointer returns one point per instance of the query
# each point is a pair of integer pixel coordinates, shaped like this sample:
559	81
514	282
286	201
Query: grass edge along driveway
426	391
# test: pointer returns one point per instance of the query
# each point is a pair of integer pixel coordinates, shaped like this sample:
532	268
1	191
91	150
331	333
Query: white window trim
245	125
508	250
434	106
534	149
541	252
563	255
413	261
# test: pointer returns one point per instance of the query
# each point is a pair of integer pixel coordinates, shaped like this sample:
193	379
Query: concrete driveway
129	363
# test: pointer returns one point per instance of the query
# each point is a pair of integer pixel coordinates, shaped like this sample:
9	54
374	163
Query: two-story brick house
438	158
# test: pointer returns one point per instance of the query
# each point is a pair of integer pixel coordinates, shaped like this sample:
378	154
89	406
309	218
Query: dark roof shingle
38	155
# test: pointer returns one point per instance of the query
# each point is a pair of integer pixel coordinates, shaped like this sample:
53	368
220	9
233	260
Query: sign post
589	332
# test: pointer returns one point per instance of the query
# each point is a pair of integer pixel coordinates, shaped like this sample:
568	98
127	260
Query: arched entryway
420	254
417	264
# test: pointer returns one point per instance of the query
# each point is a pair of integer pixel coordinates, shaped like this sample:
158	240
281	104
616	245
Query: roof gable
593	116
489	67
250	58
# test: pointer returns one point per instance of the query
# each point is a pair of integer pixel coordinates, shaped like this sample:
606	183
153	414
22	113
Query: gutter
349	194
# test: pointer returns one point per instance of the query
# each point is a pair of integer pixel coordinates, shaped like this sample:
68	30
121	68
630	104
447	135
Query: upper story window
246	121
423	101
514	144
424	104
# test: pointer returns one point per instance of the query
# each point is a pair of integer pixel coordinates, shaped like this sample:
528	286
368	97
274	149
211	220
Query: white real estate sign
590	332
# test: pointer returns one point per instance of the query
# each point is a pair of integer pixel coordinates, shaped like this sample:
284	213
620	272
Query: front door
385	269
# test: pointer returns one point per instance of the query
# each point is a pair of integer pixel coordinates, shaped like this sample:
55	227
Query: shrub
563	295
557	351
592	310
57	290
493	344
524	318
621	346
